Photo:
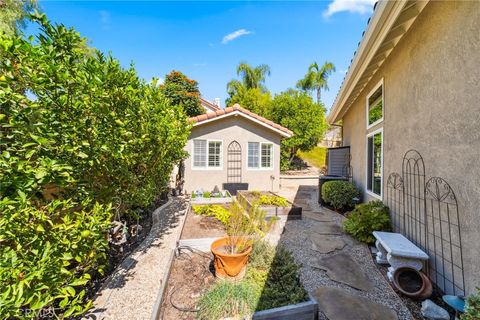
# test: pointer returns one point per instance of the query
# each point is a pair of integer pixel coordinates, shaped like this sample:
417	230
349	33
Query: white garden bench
398	251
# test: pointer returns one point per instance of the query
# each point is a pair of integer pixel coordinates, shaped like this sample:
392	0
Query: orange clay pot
228	265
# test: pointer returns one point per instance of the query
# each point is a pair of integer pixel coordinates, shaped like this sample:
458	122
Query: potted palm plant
243	229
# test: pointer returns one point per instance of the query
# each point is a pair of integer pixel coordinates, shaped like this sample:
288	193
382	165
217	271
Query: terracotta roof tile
237	107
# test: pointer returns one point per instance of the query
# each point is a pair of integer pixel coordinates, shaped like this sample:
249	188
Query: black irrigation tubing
173	290
181	308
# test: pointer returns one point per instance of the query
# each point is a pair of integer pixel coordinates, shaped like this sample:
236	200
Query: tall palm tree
250	78
316	78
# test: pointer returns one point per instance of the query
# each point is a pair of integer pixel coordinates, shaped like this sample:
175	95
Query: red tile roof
208	104
237	108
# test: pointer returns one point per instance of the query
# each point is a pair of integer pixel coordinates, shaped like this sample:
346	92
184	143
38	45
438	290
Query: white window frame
369	192
207	167
375	88
260	168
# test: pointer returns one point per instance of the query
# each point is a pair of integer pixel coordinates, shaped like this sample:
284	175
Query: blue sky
206	40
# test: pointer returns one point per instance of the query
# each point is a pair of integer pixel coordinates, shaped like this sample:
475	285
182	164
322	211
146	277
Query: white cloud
353	6
234	35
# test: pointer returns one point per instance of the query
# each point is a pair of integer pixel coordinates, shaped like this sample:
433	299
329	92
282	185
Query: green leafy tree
316	78
297	111
252	99
13	14
184	92
81	138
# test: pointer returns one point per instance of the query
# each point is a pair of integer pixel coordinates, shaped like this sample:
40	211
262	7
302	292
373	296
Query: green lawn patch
315	157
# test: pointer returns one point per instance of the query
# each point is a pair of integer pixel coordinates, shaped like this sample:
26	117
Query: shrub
276	274
271	281
79	135
366	218
48	254
206	194
472	307
271	200
340	194
216	211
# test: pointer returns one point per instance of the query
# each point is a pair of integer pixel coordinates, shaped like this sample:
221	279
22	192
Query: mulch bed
198	226
190	275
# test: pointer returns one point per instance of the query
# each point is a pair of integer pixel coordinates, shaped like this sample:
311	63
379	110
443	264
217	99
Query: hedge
82	138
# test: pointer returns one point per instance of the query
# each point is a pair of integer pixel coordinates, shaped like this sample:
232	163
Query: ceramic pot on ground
229	265
412	283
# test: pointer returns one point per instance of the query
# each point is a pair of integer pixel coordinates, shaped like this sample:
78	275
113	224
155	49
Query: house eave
388	25
238	113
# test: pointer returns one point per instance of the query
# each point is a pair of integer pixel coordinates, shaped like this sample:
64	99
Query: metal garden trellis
426	212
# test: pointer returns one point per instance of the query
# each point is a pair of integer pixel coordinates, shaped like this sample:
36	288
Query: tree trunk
318	95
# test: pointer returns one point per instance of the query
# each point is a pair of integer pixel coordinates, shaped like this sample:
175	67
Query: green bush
48	255
216	211
366	218
271	281
340	194
206	194
271	200
472	307
79	135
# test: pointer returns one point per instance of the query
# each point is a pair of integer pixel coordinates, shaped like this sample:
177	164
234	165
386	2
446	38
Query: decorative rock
338	304
326	228
342	268
434	312
326	243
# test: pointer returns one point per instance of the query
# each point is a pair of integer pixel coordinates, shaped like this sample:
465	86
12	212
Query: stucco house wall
432	104
227	130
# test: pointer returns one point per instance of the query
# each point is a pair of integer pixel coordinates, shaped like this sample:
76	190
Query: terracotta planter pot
228	265
412	283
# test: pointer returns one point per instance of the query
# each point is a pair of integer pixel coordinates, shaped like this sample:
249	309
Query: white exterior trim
378	85
207	168
239	113
260	168
383	20
380	197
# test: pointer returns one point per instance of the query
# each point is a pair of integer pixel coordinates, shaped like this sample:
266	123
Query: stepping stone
326	228
342	268
338	304
325	243
317	216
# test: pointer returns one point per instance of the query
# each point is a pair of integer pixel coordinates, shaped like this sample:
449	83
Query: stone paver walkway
131	292
336	268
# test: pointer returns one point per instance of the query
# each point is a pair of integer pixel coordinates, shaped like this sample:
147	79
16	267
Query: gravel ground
131	291
295	238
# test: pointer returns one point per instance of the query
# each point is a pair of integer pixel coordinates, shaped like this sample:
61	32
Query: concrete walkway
131	292
336	269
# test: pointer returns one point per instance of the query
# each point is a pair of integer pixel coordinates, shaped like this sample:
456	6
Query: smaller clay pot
229	265
412	283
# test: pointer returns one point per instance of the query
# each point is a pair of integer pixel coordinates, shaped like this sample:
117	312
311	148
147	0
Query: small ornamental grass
271	281
340	194
366	218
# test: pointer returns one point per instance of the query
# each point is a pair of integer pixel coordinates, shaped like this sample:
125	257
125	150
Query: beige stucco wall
432	104
243	131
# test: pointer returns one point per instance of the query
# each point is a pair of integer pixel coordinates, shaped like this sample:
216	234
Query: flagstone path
336	269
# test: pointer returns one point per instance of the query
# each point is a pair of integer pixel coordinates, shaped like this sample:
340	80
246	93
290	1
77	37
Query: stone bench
398	251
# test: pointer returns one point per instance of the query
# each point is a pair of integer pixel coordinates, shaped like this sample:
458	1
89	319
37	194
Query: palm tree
316	78
250	78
